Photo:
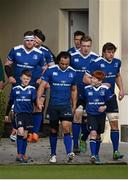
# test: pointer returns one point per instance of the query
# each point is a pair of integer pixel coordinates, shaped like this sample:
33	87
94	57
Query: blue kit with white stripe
96	97
111	69
23	59
23	98
60	84
80	63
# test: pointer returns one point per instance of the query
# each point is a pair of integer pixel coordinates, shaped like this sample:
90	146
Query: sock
53	143
19	144
68	142
93	147
98	142
37	117
84	131
115	139
75	133
24	147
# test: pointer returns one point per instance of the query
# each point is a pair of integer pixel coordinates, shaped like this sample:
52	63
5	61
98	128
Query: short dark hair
26	72
28	33
39	34
100	75
79	33
109	46
86	39
62	54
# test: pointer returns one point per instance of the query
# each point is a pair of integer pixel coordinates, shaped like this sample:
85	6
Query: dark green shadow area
64	172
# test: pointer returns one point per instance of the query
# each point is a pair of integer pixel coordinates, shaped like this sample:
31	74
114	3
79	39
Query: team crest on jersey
102	65
35	57
29	91
55	74
18	54
102	93
17	92
76	60
71	75
116	65
90	93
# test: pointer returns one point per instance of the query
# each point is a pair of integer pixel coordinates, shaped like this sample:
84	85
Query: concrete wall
18	16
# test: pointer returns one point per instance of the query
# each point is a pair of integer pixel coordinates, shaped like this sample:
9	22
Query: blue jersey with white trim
60	84
23	98
24	59
48	58
72	50
80	63
96	97
111	69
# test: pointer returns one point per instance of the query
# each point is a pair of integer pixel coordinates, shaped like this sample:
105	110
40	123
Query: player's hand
40	103
121	95
102	108
38	81
6	119
12	80
107	84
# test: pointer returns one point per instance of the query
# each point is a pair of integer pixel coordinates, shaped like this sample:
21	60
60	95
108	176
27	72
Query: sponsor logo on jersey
102	65
18	54
55	74
17	92
90	93
76	60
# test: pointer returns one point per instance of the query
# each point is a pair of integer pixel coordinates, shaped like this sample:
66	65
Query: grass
64	172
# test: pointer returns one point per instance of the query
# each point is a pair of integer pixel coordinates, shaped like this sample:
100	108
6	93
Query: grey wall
18	16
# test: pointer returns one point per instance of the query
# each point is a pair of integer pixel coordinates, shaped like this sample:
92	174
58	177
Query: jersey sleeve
34	95
74	80
42	61
46	75
48	56
108	95
11	55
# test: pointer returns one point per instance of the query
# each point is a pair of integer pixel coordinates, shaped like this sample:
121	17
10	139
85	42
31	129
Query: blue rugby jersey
23	98
72	50
111	69
96	97
24	59
48	58
81	63
60	84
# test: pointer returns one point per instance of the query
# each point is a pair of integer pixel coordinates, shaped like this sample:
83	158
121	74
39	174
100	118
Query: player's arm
87	78
119	84
40	94
74	97
9	71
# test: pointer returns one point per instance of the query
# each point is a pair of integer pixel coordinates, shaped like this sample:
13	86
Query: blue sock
19	144
98	142
37	118
24	146
68	142
53	143
93	147
75	133
115	139
84	131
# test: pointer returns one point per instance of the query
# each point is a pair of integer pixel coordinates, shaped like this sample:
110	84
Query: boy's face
86	47
109	54
25	80
95	81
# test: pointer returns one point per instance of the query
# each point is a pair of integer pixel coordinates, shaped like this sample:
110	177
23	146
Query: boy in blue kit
96	94
23	96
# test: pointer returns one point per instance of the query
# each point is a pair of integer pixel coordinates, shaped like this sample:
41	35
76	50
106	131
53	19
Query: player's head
108	51
25	77
97	77
29	40
39	37
63	59
77	37
85	45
